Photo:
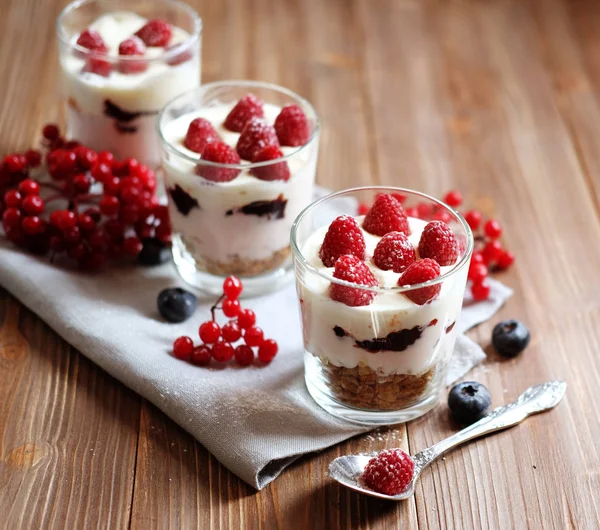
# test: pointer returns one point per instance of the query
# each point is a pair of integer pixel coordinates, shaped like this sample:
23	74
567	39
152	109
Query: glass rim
167	54
239	83
464	261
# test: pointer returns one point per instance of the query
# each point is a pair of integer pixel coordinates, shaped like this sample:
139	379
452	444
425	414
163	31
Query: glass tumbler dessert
239	160
380	296
121	62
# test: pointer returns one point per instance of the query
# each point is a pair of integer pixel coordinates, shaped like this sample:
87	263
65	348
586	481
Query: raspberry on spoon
292	126
246	108
343	237
351	269
199	134
386	215
390	472
220	153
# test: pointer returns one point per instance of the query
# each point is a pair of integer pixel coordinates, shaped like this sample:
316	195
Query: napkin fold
255	420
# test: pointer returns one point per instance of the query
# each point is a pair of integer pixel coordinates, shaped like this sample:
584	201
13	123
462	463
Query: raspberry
255	135
201	355
231	307
390	472
246	318
253	336
232	287
386	215
480	290
279	171
92	40
98	66
292	126
351	269
473	218
438	242
133	46
220	153
199	134
209	332
231	332
453	198
267	351
420	271
183	348
244	355
492	228
222	351
343	237
245	109
394	252
155	33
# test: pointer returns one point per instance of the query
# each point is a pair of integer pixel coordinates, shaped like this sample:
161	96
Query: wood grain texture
496	98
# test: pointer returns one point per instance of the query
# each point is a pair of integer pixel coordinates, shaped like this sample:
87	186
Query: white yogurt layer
207	231
145	92
389	312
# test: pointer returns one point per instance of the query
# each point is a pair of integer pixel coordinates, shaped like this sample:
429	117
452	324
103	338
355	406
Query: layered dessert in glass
380	296
239	160
122	61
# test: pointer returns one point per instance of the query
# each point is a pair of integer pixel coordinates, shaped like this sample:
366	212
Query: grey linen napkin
255	420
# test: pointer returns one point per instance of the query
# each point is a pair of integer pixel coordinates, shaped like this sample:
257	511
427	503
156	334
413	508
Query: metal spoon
347	470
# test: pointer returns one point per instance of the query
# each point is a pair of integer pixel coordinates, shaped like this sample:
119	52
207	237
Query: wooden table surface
497	98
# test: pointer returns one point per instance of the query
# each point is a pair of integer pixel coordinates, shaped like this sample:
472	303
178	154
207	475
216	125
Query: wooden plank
68	431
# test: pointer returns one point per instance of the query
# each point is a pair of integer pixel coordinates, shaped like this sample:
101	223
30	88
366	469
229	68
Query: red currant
183	348
98	240
14	163
506	259
12	199
109	205
72	235
114	228
29	187
231	308
85	222
492	228
11	218
246	318
34	158
101	171
33	204
222	351
112	185
209	332
363	208
453	198
491	252
81	183
231	332
132	246
480	290
473	218
477	272
232	287
33	225
253	336
63	219
244	355
77	251
57	244
106	157
476	257
86	158
201	355
50	132
267	351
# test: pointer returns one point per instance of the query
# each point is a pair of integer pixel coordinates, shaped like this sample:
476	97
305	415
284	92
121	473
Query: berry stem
216	306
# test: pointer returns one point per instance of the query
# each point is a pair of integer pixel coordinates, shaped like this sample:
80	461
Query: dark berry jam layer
183	201
274	209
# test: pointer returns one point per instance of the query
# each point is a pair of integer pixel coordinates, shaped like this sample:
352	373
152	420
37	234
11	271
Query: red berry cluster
489	254
111	222
218	341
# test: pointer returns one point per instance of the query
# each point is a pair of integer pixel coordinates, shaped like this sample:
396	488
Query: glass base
185	265
321	393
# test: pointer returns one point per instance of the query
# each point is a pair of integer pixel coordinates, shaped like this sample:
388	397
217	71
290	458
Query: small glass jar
385	362
112	101
240	227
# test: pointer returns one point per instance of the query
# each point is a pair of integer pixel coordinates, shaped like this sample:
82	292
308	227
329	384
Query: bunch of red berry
109	206
217	341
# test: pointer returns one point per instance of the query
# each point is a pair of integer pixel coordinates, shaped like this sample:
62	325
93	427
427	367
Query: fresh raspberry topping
343	237
200	133
98	66
394	252
279	171
421	271
221	153
155	33
255	135
351	269
386	215
390	472
132	46
438	243
245	109
92	40
292	126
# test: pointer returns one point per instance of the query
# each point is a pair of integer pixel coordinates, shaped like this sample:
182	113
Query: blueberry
154	252
469	402
510	337
176	304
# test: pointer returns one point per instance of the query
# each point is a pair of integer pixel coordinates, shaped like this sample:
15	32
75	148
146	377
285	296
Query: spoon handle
535	399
